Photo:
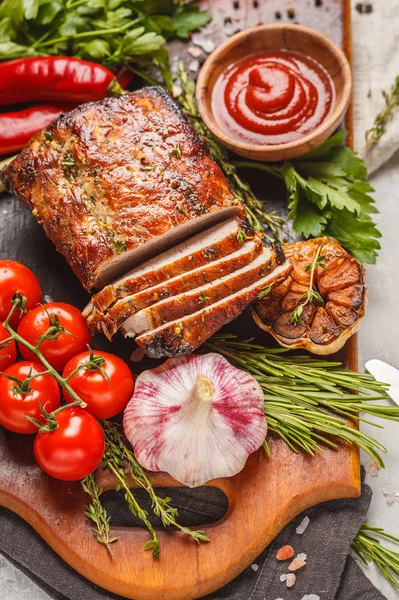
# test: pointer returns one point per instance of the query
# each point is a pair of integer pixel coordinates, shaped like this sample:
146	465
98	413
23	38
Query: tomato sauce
272	97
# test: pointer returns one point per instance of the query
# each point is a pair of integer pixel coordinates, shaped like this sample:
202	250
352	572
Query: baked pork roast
128	193
117	181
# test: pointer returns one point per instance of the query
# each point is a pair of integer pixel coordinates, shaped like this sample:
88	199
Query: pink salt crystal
254	567
194	51
302	526
296	564
291	579
311	597
302	556
283	577
389	490
374	471
285	553
390	498
194	66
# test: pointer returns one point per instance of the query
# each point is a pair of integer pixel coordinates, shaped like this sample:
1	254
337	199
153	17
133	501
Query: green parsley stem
88	34
267	168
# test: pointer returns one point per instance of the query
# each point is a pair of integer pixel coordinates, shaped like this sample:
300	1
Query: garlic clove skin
195	417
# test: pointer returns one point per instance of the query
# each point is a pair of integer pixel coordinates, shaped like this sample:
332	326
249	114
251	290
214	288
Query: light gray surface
379	337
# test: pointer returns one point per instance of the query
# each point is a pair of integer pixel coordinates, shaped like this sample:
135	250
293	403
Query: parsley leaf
334	181
187	19
328	195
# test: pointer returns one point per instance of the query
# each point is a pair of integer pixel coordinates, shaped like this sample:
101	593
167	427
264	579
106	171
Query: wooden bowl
276	37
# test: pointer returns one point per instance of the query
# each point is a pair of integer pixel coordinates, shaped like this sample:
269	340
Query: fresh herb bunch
375	133
254	207
307	399
329	195
369	548
120	460
107	31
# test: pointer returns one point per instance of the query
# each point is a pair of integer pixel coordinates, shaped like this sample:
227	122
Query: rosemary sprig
303	393
311	295
375	133
369	549
97	513
254	207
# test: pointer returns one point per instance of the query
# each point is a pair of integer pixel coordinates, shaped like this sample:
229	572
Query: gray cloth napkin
330	572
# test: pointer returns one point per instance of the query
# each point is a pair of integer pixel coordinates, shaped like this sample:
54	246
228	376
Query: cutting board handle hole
196	507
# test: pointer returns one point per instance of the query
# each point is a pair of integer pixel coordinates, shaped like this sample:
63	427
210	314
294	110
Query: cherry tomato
8	354
105	396
16	405
15	277
74	449
60	350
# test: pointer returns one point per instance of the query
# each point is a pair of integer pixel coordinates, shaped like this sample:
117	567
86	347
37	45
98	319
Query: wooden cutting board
262	499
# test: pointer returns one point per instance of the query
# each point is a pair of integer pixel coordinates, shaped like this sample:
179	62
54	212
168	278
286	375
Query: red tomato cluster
72	444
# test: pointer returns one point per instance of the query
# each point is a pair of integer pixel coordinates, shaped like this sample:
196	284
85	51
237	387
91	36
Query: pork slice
124	308
117	181
203	248
184	335
189	302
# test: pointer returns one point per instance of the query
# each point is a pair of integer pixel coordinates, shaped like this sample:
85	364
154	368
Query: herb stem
50	370
135	508
375	133
311	294
267	168
98	514
87	34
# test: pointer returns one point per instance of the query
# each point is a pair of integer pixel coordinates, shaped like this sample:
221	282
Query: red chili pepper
124	76
53	78
16	128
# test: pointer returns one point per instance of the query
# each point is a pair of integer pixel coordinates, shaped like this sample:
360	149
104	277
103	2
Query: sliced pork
124	308
187	303
118	181
204	248
184	335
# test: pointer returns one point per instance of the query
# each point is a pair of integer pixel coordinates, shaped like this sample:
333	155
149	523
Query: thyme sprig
114	461
307	400
311	295
375	133
254	207
369	549
98	514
